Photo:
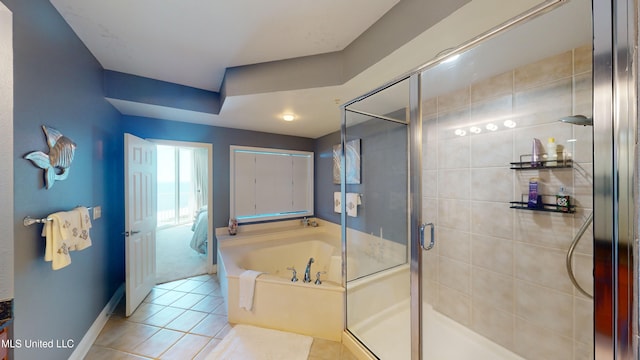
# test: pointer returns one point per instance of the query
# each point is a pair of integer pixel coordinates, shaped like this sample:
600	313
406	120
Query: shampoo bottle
534	198
536	153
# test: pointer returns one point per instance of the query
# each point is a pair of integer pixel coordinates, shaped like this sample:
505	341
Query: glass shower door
496	283
375	221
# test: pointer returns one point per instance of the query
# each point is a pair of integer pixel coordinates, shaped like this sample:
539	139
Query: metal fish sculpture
57	163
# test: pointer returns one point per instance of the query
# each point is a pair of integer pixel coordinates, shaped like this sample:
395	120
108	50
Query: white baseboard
213	269
90	337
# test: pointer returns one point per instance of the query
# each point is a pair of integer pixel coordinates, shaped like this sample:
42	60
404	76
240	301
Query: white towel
353	200
67	231
247	286
337	202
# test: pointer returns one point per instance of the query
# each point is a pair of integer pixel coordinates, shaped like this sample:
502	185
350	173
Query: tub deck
304	308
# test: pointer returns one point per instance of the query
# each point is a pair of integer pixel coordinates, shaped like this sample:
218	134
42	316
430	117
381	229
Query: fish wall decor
57	162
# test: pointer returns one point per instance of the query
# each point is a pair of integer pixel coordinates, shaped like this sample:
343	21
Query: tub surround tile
455	275
490	111
454	153
583	351
492	323
495	86
544	229
557	100
430	210
492	253
523	137
534	343
492	149
541	266
429	107
454	214
493	288
492	184
492	219
583	271
582	59
454	304
454	100
583	95
544	71
454	184
583	324
545	307
454	244
430	183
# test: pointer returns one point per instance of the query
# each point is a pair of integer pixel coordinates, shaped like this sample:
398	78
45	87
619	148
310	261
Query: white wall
6	152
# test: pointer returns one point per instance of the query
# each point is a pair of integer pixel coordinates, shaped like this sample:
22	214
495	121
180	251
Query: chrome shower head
577	120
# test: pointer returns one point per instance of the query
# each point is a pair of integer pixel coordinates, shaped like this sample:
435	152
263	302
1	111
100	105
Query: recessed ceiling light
288	117
492	127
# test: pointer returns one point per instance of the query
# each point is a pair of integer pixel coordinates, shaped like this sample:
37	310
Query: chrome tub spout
307	271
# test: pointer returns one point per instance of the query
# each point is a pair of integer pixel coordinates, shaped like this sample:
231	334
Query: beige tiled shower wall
501	271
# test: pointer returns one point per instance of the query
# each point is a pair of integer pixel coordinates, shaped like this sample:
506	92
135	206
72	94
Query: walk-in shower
446	150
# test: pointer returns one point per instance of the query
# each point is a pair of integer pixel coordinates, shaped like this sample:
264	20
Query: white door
140	220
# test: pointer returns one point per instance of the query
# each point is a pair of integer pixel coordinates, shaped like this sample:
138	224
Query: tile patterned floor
183	319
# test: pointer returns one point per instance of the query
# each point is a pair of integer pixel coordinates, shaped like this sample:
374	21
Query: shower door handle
432	241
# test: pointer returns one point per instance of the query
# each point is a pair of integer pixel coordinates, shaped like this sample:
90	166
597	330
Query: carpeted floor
174	258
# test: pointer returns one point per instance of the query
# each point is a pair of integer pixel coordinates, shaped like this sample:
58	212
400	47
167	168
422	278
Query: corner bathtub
279	303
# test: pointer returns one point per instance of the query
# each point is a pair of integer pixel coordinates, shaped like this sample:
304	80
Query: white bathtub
304	308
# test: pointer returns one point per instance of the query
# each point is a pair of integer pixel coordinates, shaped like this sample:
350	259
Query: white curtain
200	174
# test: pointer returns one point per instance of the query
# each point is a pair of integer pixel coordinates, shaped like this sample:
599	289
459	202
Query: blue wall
59	83
384	169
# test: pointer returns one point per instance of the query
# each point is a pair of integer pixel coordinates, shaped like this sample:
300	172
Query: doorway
184	230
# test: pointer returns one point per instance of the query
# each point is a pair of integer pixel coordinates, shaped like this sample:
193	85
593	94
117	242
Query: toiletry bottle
563	202
534	198
552	152
536	153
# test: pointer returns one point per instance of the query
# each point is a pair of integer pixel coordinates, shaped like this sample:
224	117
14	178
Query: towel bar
28	220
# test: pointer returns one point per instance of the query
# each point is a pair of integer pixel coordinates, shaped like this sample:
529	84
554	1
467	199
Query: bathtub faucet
294	278
307	271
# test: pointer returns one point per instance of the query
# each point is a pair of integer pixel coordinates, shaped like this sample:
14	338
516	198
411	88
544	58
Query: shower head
577	120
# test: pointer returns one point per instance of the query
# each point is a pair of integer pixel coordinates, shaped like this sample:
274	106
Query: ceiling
194	42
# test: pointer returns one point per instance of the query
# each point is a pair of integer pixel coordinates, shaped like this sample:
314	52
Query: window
176	199
269	184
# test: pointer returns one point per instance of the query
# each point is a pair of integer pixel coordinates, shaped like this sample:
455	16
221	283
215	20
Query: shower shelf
542	164
547	207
